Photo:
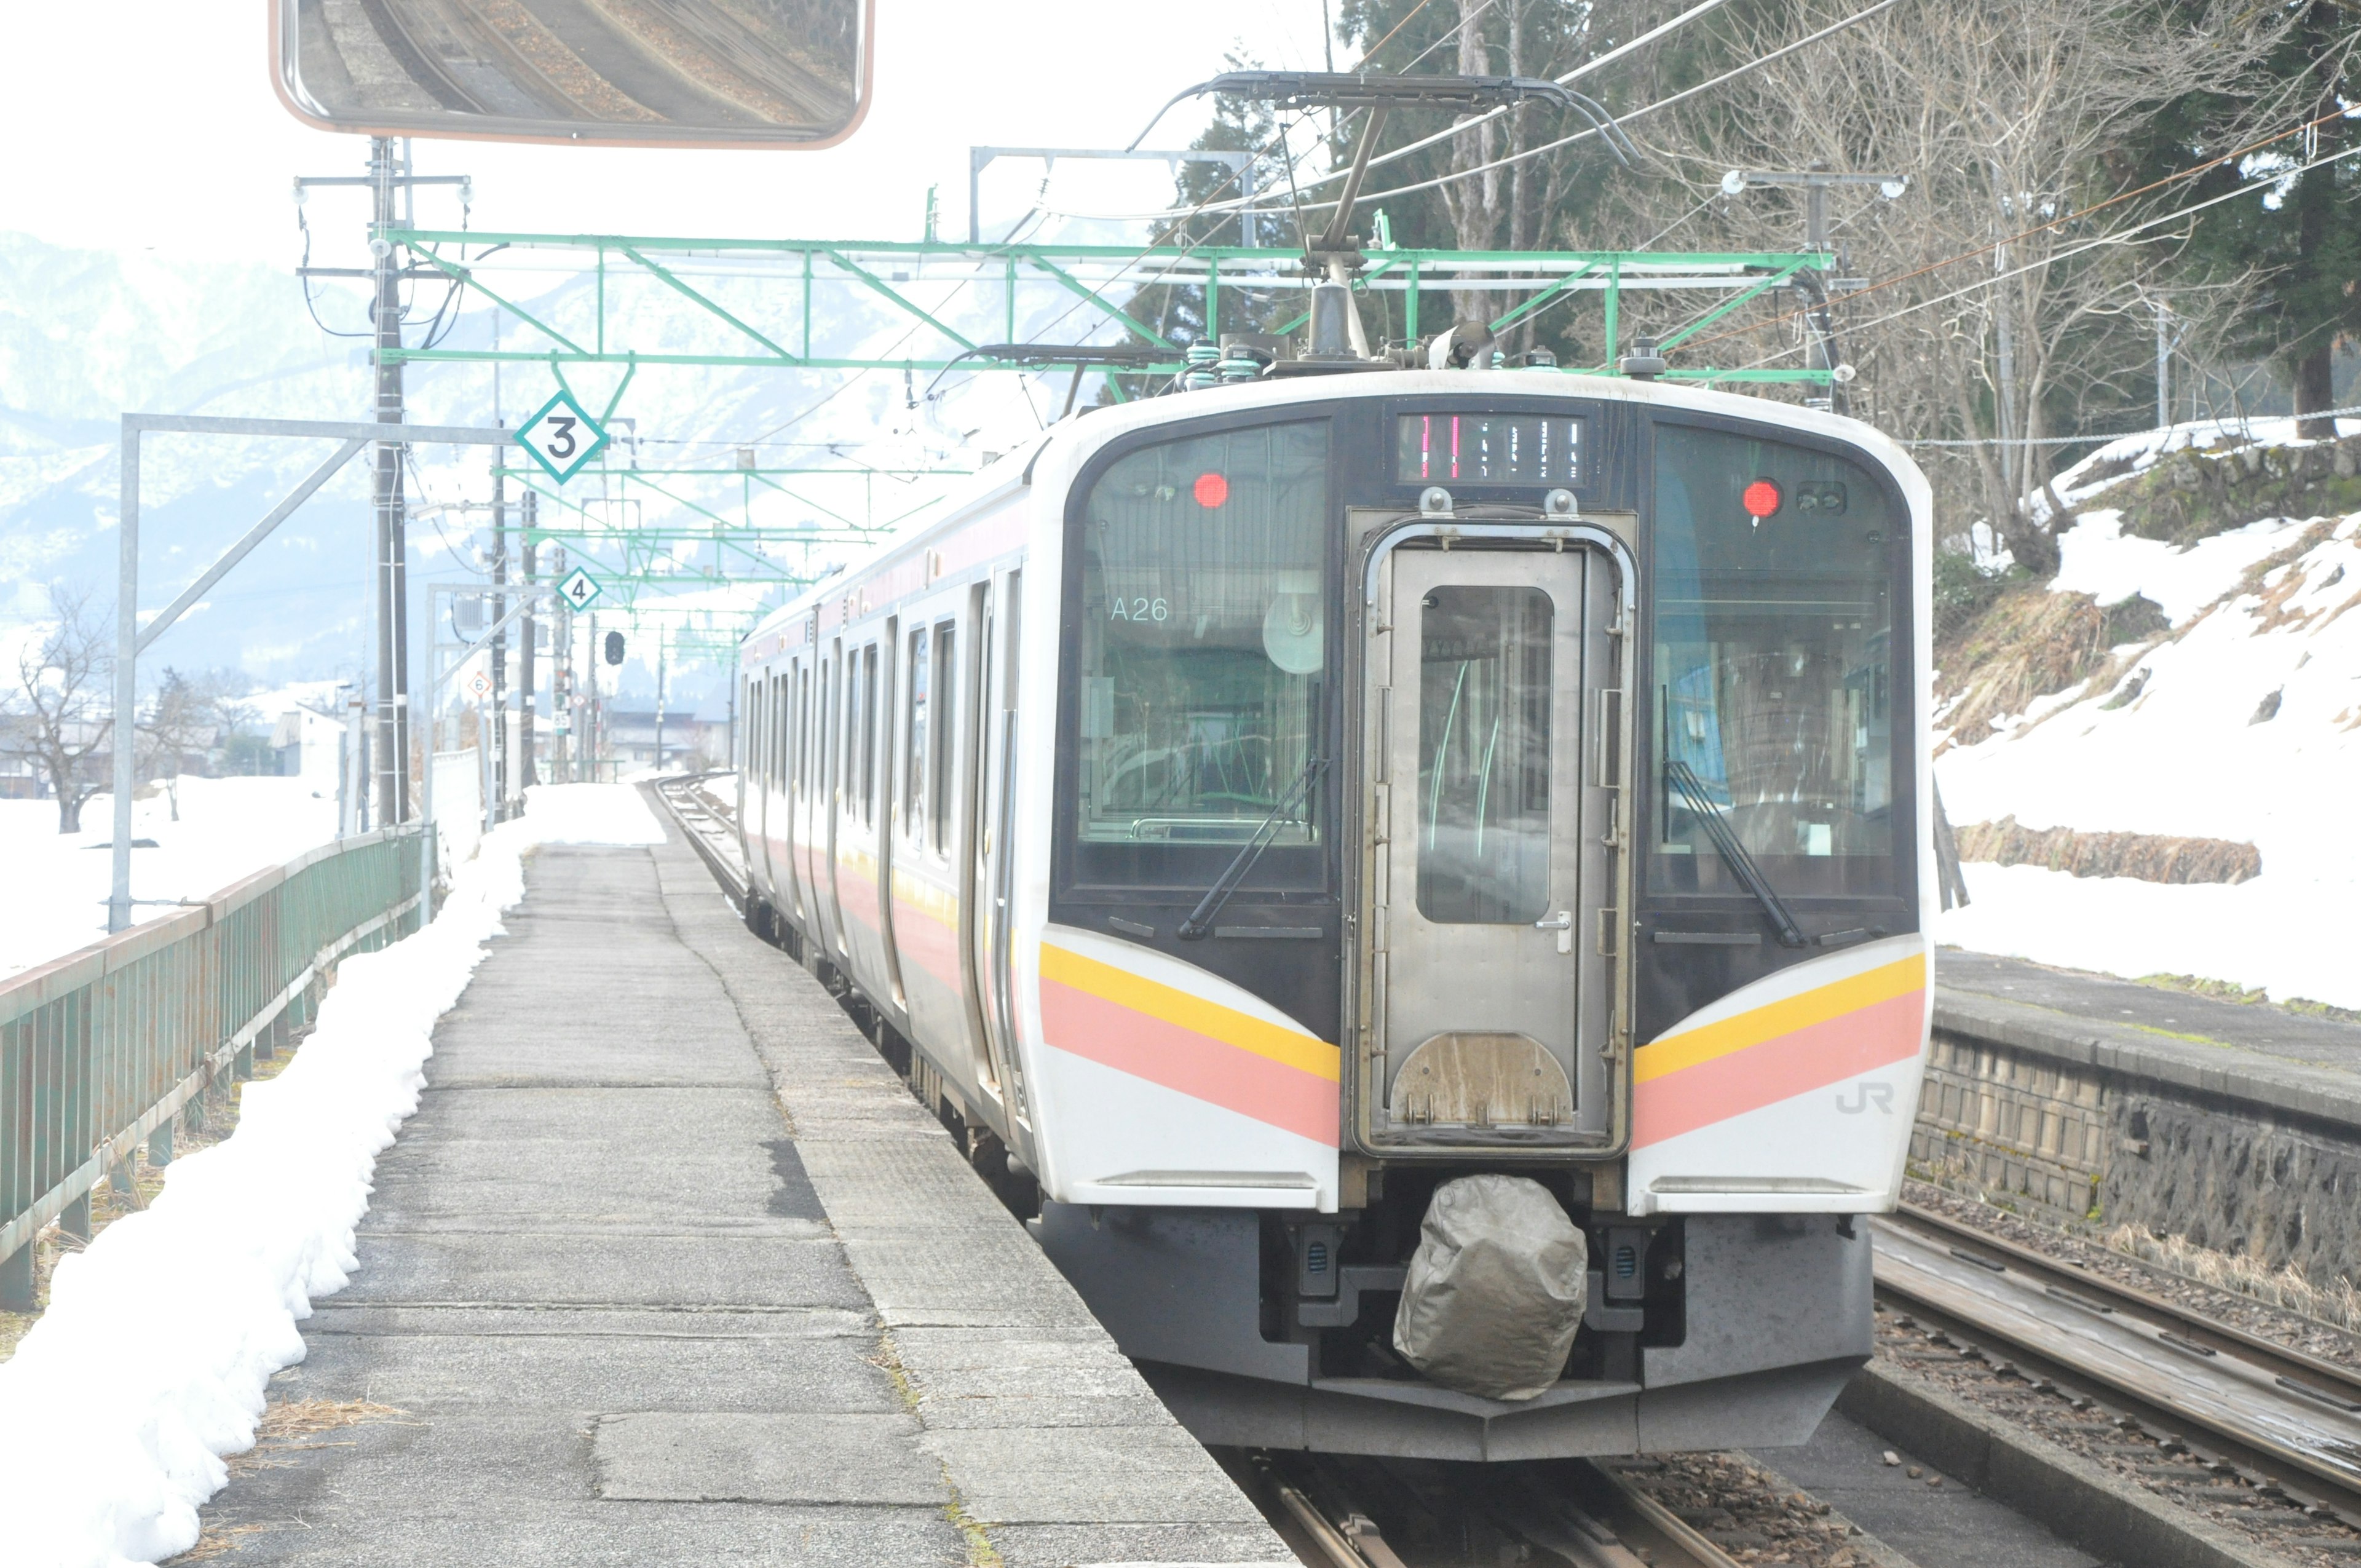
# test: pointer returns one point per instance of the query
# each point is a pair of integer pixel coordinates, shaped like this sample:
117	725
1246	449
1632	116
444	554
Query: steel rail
2296	1365
2289	1418
1581	1512
710	832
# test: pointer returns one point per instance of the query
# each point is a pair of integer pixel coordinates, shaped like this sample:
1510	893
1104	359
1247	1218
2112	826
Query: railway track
709	820
2281	1419
1342	1511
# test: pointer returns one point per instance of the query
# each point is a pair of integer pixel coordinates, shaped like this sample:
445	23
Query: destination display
1488	449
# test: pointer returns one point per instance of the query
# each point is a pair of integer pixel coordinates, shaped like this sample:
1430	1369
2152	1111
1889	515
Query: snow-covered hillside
2241	720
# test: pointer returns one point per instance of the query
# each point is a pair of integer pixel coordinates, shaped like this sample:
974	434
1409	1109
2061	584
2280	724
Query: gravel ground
1750	1512
2265	1321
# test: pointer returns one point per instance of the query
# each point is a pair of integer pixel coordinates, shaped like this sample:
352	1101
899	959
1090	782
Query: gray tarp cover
1496	1290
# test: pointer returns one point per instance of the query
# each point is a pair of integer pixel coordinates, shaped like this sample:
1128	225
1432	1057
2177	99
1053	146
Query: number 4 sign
562	437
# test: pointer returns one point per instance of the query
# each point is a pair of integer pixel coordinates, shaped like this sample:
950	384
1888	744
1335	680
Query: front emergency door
1488	873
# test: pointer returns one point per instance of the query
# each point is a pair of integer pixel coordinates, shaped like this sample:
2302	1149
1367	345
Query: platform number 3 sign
562	437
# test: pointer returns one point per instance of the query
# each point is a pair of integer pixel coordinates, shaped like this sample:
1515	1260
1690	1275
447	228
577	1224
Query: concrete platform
2177	1014
669	1268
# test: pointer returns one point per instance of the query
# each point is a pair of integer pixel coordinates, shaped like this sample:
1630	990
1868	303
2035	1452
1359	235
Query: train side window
913	758
799	719
848	770
830	697
869	733
945	738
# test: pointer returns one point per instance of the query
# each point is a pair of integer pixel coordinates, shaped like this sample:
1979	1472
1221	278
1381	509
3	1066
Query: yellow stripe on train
1211	1019
1769	1022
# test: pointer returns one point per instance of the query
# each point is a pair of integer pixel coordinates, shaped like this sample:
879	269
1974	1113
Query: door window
1484	755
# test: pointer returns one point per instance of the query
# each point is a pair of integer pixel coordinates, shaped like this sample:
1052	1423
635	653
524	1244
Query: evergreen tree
2299	232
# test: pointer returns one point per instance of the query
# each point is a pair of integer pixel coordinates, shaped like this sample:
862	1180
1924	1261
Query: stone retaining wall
2083	1122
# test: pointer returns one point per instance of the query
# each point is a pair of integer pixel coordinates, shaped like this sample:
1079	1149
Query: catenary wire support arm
129	640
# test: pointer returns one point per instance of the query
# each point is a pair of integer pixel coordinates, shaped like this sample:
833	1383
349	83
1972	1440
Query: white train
1248	809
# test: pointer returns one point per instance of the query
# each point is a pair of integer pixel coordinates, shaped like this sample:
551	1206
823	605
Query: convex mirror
783	73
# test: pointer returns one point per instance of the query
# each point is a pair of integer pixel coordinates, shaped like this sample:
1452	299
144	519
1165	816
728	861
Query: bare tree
2014	280
189	713
57	707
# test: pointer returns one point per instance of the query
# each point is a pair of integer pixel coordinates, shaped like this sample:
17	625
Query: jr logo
1864	1093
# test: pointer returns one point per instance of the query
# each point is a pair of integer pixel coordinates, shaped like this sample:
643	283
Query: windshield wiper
1733	853
1200	919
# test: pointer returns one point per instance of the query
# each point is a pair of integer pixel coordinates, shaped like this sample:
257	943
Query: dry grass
291	1418
2146	857
212	1543
2257	996
2028	643
2336	1303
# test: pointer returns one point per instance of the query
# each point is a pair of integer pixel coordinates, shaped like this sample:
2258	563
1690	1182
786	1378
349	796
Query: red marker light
1760	499
1212	490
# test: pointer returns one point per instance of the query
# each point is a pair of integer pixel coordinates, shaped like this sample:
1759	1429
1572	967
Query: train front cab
1585	799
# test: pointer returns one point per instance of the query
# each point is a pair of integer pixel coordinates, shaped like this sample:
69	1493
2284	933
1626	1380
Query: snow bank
2097	557
229	829
2243	724
152	1359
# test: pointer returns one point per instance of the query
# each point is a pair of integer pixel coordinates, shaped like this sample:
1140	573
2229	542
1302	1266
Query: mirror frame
445	126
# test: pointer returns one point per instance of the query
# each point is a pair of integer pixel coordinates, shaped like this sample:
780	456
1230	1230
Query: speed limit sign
562	437
479	685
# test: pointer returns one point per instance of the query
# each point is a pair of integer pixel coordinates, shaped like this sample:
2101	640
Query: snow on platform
668	1266
151	1362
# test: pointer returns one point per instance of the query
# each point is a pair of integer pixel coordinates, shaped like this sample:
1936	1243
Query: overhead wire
2191	173
1586	68
2088	246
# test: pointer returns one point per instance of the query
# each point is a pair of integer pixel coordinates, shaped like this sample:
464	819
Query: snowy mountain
2187	688
85	334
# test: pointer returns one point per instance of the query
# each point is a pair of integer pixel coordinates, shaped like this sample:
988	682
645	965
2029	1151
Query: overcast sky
152	123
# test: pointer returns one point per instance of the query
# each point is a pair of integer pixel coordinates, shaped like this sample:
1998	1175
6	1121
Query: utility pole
2165	343
659	700
500	658
1816	178
526	778
591	712
392	533
389	172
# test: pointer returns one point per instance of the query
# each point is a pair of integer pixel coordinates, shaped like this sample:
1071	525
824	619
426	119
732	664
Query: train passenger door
989	889
1488	673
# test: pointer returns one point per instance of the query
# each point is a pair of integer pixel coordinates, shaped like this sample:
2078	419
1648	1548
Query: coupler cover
1496	1290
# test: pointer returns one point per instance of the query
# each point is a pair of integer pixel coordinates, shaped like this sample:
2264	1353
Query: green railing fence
106	1047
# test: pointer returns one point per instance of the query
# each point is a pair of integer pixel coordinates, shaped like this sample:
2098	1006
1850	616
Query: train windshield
1775	573
1201	653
